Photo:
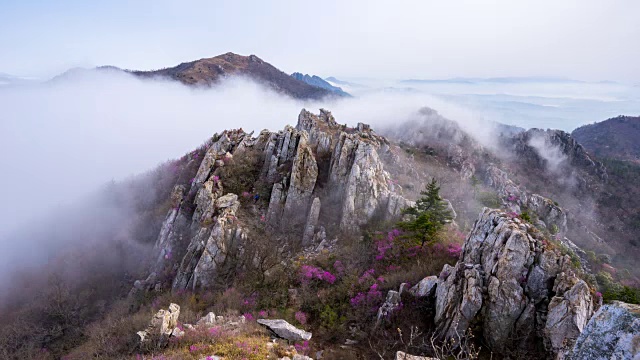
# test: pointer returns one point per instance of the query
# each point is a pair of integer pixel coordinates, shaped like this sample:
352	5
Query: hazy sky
590	40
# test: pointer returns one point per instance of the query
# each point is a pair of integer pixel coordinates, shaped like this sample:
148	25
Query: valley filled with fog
65	139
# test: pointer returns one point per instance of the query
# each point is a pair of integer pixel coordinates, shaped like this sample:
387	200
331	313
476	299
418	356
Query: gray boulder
391	303
425	288
209	319
284	330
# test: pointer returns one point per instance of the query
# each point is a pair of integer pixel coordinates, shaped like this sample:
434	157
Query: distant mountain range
616	138
315	80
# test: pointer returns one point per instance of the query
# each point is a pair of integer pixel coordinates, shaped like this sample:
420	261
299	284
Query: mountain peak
209	71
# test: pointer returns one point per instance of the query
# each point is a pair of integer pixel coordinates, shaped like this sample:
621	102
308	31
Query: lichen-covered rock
302	182
162	325
284	330
499	180
612	333
209	248
367	187
568	313
391	303
301	357
518	290
205	202
320	128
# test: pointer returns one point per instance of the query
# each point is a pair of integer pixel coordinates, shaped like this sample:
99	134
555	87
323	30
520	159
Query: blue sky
584	39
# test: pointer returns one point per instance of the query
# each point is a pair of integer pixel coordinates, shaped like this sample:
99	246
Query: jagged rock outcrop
319	152
509	281
320	174
163	325
208	250
559	158
612	333
291	197
284	330
193	208
367	185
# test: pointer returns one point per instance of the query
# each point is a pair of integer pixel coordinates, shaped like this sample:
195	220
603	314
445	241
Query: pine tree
430	214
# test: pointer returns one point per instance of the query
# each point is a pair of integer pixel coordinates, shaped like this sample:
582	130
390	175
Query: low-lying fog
62	140
526	102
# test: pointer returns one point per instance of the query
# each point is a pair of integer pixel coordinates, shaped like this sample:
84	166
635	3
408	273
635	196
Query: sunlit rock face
509	281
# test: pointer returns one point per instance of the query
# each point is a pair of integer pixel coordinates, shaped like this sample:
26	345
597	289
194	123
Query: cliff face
510	282
319	174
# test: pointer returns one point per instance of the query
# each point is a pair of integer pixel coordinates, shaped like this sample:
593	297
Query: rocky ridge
298	166
510	282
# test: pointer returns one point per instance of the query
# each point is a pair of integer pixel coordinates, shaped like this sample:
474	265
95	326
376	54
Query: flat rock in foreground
285	330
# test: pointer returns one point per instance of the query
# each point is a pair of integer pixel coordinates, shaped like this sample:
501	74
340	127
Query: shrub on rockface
489	199
240	172
611	289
